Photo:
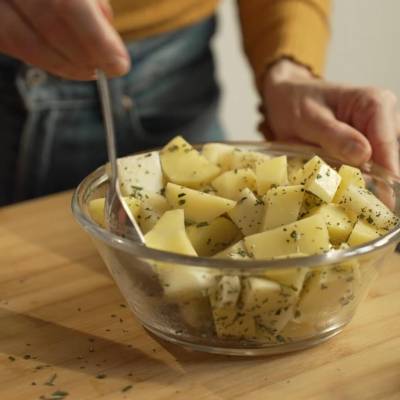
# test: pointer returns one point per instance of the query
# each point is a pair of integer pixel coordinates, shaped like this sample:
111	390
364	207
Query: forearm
295	29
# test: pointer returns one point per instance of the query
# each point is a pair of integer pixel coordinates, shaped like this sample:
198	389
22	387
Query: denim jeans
51	129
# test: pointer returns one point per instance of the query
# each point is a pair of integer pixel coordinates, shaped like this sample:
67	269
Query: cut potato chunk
199	206
350	176
236	252
246	159
310	201
248	213
290	277
140	173
96	209
309	236
362	233
184	165
153	207
295	170
219	154
210	238
182	283
364	203
338	221
326	292
196	313
229	321
226	293
282	206
320	179
271	172
169	234
231	183
270	304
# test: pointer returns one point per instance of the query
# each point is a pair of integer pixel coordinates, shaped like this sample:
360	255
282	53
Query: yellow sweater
272	29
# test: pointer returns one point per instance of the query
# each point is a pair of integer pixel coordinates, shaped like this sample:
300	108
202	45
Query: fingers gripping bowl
279	264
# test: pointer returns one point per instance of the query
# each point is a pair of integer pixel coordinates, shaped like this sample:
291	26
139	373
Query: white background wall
363	51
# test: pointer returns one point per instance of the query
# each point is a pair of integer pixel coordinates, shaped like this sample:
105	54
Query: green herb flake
181	202
241	253
323	286
173	148
51	380
294	235
126	388
101	376
57	395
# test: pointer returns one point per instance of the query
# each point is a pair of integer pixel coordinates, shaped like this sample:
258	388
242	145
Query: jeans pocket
63	138
61	146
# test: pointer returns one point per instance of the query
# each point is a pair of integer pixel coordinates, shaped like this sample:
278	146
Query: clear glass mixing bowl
335	283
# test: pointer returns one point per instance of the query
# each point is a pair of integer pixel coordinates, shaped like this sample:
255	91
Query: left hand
354	124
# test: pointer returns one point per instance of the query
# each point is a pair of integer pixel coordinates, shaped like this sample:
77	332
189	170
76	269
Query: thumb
337	138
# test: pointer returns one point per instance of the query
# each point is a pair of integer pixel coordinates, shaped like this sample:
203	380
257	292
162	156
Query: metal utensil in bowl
118	217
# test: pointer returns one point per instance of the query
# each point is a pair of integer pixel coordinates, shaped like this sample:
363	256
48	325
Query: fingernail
118	66
354	151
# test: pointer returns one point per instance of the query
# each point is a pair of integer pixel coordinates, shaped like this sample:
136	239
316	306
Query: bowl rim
138	250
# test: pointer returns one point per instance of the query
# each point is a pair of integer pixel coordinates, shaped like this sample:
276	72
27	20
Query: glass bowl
284	318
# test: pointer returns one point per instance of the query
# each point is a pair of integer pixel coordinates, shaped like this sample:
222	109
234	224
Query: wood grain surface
65	332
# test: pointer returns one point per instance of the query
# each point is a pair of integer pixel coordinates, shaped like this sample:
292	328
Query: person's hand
354	124
68	38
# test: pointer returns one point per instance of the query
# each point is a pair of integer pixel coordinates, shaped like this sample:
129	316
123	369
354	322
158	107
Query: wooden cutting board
65	332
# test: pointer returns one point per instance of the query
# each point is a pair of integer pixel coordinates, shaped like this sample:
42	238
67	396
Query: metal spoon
118	216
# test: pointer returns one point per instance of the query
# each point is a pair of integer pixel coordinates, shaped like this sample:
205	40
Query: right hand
68	38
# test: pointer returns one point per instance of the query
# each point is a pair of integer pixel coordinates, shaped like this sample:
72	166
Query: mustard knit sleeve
297	29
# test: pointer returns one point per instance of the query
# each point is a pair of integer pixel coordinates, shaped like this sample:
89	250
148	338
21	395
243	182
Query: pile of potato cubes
225	202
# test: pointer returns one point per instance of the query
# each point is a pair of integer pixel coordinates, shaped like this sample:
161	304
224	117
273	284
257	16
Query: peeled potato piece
339	222
231	183
270	304
210	238
350	176
180	282
248	213
140	173
362	233
309	236
235	252
219	154
96	209
246	159
153	207
229	320
270	173
198	206
282	206
184	165
320	179
365	204
169	234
